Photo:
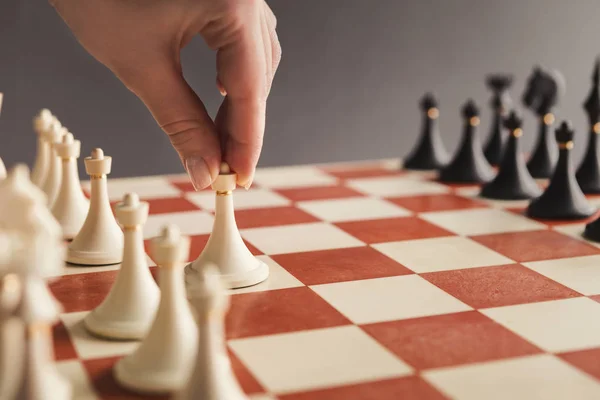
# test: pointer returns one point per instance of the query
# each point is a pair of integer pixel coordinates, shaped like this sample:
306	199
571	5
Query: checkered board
384	284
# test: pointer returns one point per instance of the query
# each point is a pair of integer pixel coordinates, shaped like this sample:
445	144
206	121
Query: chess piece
541	95
225	248
429	153
11	334
71	205
588	173
41	124
563	198
164	360
469	165
52	183
2	170
513	181
100	240
500	103
129	308
212	377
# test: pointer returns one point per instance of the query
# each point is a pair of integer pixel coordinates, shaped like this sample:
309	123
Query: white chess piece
130	307
100	240
2	170
41	124
213	377
52	183
164	360
11	335
71	206
225	248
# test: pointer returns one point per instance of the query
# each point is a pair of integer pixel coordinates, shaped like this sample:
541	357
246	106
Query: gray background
347	89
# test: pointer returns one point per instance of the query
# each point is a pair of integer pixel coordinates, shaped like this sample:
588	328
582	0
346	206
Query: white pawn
130	307
100	240
2	170
213	377
225	248
164	360
71	206
11	333
52	182
41	124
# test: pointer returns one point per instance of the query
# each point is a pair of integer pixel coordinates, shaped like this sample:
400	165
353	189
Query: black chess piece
541	96
513	181
500	104
429	153
469	165
563	198
588	173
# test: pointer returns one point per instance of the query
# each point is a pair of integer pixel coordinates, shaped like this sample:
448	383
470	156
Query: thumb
183	117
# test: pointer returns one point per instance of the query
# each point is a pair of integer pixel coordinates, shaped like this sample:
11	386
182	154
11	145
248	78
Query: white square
393	186
539	377
290	177
242	199
555	326
318	358
386	299
581	274
352	209
299	237
150	187
279	278
76	374
90	347
441	254
481	221
189	222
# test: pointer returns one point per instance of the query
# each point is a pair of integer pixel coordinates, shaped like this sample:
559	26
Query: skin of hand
140	41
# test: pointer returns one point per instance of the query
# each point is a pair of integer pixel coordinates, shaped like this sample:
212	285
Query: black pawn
588	173
513	181
429	153
469	164
563	198
541	95
499	85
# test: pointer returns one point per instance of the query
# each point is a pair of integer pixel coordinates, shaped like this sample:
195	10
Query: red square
449	340
363	172
170	205
186	186
101	376
278	311
274	216
439	202
536	245
586	360
63	347
245	378
339	265
595	298
319	193
498	286
392	229
405	388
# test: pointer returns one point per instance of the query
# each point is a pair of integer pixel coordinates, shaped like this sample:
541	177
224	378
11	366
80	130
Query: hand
140	42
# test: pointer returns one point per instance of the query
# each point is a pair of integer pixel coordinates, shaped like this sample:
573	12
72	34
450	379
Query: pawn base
94	258
148	382
590	187
241	279
116	330
494	193
534	211
592	231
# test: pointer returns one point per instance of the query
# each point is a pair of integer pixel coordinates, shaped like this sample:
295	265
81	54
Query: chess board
384	285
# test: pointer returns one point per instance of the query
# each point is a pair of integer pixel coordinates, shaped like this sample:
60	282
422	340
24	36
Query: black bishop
429	153
469	165
500	103
513	181
563	198
588	173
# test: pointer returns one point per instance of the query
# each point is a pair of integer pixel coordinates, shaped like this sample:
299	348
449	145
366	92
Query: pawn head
428	101
565	132
470	112
97	154
499	83
131	200
513	121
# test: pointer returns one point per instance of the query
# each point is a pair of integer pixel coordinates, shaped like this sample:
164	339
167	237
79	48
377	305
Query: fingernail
248	185
198	171
221	88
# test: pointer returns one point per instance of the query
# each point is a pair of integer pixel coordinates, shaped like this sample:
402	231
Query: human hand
140	42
